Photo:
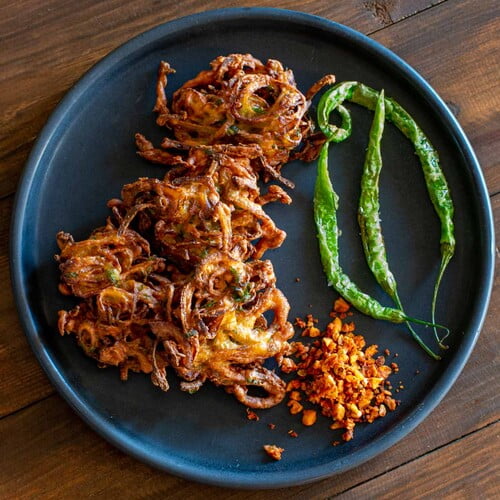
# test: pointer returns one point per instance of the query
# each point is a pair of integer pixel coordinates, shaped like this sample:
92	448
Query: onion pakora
239	101
142	315
175	277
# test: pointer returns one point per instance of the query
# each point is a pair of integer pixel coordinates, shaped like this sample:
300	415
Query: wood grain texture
45	47
406	37
46	450
456	47
22	380
52	453
477	454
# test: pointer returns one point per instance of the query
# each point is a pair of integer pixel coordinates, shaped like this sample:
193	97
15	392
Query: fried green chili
369	210
435	180
325	215
332	132
369	207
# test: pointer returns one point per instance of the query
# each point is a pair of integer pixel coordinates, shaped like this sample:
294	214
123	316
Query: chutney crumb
251	415
273	451
338	372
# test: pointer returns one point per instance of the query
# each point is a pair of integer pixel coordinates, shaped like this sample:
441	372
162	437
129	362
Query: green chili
369	206
332	132
325	215
435	180
369	210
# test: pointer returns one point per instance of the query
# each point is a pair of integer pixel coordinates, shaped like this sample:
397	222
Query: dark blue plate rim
174	465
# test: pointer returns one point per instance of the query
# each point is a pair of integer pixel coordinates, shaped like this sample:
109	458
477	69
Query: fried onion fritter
207	325
239	102
175	277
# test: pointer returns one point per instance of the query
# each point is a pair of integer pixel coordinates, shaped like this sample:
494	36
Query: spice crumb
292	433
295	407
273	451
272	426
309	417
297	280
251	415
341	374
300	323
341	306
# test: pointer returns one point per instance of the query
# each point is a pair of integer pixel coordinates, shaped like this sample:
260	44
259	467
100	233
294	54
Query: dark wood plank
45	47
22	380
456	47
440	474
52	452
16	393
26	101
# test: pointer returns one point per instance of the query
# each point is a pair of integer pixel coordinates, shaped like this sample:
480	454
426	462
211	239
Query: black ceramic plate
86	153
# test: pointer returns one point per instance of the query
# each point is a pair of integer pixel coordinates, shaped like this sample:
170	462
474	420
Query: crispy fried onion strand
239	101
204	317
174	278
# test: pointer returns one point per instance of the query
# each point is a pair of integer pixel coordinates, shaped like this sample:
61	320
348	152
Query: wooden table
45	449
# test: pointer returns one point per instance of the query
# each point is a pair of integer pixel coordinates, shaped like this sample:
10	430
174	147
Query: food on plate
175	277
273	451
213	203
142	312
238	102
340	375
326	202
